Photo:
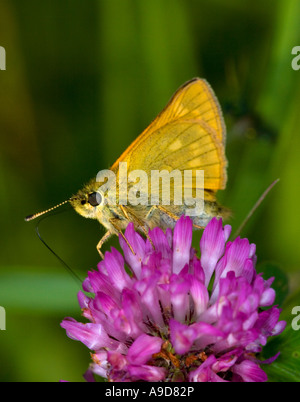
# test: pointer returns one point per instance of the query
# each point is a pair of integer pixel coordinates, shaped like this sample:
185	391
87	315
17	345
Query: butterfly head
88	200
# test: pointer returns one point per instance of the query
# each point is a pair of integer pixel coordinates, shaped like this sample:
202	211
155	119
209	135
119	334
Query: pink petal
114	263
138	244
200	297
160	242
182	241
147	373
182	336
91	335
142	349
250	372
212	246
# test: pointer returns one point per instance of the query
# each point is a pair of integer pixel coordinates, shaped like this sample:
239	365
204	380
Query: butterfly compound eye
94	199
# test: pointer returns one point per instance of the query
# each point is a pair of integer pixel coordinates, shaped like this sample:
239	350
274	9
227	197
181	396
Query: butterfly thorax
94	203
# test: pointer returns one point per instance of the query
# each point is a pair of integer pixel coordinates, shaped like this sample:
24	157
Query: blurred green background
82	80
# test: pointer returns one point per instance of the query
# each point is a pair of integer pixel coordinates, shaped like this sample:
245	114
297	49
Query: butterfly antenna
69	269
33	216
256	205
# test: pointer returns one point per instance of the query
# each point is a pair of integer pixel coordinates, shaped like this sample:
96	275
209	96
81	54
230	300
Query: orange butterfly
157	178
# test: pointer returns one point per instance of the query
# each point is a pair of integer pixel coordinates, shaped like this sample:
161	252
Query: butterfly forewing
188	134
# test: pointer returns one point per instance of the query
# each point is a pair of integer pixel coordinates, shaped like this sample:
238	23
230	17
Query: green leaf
286	367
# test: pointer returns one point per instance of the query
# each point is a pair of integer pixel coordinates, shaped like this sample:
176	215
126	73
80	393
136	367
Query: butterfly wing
189	134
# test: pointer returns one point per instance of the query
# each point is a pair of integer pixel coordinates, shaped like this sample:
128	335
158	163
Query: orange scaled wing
189	134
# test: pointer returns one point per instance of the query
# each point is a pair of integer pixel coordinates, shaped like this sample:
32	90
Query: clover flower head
164	314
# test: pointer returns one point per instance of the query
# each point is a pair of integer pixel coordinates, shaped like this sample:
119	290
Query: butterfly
157	179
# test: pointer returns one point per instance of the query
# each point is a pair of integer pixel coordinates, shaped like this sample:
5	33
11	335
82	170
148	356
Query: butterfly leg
107	235
164	210
175	217
137	222
114	223
151	210
144	230
198	227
